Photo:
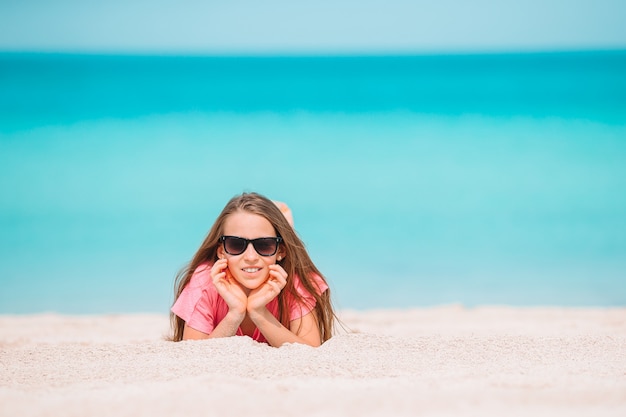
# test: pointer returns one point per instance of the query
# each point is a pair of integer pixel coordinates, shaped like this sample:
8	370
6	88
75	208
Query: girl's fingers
219	270
217	278
219	265
276	286
277	269
278	276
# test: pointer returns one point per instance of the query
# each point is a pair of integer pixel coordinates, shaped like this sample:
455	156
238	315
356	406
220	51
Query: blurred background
431	154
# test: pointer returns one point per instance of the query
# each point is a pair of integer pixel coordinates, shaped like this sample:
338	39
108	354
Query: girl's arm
225	328
232	293
303	330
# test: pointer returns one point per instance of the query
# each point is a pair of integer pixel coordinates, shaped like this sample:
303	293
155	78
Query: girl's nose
250	252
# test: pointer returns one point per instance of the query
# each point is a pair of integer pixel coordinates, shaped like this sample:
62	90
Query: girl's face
249	268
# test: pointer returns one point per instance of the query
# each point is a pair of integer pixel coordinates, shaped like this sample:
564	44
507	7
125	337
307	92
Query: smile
251	270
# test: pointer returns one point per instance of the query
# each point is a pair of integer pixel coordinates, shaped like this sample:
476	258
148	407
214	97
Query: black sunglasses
264	246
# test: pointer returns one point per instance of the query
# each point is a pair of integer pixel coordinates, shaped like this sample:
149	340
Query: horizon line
309	54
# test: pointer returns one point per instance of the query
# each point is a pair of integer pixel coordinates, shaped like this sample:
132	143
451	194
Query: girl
252	276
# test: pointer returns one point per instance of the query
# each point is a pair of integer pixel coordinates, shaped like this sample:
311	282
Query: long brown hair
296	262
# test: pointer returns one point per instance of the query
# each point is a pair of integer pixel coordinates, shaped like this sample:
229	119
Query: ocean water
413	180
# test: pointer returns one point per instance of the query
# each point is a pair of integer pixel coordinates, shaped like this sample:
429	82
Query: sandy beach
449	360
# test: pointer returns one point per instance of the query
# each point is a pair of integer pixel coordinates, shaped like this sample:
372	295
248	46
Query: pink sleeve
301	309
197	303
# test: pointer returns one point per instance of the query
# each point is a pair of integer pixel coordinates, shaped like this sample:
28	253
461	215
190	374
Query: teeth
251	269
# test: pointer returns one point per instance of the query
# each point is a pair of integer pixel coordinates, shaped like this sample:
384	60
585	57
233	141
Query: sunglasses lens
266	246
234	245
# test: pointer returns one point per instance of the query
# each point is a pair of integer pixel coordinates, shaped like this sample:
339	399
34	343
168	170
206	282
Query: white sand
446	361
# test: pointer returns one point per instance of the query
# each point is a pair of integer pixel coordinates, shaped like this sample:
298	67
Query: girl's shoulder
303	301
199	303
201	277
316	281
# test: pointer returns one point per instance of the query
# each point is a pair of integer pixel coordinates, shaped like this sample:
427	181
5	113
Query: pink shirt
202	308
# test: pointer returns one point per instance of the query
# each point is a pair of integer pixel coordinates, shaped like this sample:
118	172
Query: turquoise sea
413	180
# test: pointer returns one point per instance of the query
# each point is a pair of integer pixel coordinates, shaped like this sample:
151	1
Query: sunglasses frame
278	239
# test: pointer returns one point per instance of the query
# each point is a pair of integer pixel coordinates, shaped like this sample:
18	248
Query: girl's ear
220	252
281	253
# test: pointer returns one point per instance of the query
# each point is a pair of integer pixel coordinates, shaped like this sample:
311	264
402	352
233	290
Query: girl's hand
269	290
228	287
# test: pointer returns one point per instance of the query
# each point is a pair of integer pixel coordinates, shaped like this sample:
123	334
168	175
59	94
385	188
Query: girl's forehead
248	225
